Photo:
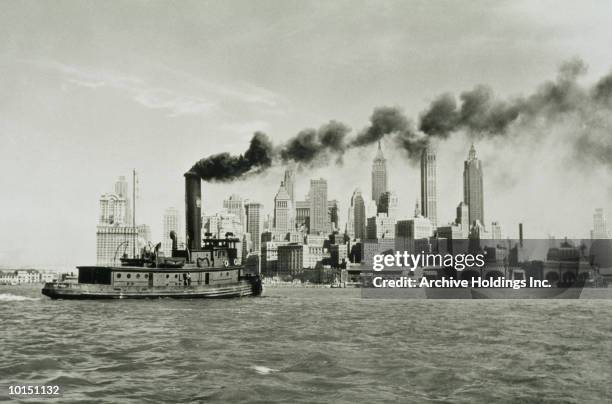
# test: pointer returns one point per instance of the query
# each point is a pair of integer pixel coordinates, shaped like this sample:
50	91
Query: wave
263	370
9	297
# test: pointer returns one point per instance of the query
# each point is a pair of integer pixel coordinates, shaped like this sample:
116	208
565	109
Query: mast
134	212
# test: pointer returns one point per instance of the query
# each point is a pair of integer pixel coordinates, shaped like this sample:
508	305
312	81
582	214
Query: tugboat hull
79	291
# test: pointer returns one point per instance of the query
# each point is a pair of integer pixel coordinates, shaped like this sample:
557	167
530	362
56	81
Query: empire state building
379	175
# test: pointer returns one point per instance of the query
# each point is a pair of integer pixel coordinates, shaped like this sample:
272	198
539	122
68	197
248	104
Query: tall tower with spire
429	193
283	210
380	183
473	192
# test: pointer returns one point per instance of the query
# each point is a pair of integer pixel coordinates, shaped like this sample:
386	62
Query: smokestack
193	210
521	234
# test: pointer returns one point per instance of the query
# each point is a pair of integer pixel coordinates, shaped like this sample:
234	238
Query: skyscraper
496	231
350	223
113	210
302	214
319	218
171	222
115	234
121	187
463	219
332	213
235	205
254	223
357	216
283	211
473	193
122	191
379	175
600	229
429	193
290	183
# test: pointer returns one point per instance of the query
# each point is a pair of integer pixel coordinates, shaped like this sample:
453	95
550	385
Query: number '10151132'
28	390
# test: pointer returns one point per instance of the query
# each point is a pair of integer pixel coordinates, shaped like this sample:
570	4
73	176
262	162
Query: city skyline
81	108
237	206
388	203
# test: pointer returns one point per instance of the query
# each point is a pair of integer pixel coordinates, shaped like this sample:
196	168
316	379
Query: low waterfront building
269	257
290	259
20	276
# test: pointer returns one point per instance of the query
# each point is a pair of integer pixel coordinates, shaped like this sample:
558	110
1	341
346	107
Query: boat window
176	275
137	275
118	276
167	276
129	276
146	276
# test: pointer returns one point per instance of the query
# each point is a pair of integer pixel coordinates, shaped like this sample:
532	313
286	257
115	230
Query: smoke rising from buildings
586	114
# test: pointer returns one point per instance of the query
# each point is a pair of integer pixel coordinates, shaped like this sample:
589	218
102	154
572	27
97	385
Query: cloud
246	127
177	104
202	97
237	91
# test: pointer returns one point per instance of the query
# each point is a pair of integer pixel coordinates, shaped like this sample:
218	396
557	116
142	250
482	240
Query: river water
307	345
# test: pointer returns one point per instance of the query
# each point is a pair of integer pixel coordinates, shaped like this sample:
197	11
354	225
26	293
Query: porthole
129	276
137	275
176	275
167	276
146	276
118	276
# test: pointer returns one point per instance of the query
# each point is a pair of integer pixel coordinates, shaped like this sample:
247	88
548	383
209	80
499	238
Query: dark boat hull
80	291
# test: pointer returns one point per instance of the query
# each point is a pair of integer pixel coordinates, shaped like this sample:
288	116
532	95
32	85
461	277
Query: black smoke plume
224	167
384	120
482	114
602	92
477	112
311	146
391	121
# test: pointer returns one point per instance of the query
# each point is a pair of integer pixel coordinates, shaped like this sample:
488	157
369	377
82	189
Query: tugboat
206	268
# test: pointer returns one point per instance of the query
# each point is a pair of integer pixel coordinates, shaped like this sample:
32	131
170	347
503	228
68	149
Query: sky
90	90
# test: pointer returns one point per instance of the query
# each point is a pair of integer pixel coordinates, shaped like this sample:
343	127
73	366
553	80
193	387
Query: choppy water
308	345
